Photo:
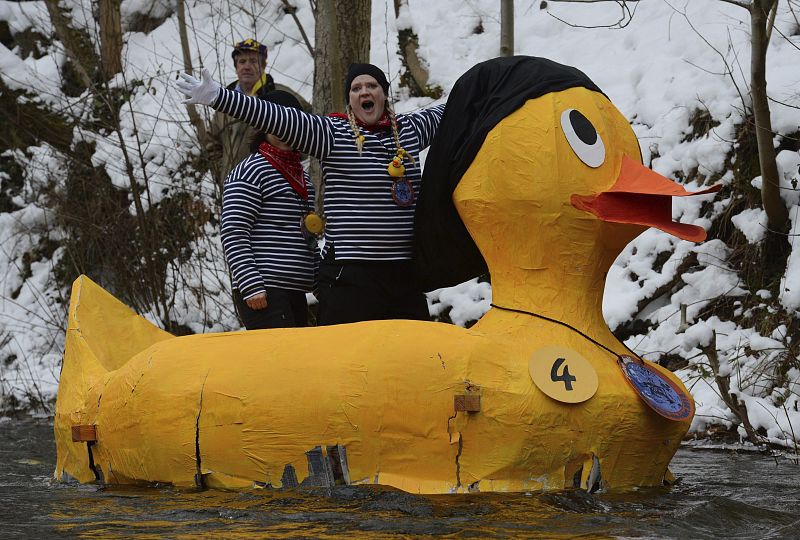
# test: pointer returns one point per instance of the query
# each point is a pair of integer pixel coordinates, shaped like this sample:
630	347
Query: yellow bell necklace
396	168
314	223
402	189
287	163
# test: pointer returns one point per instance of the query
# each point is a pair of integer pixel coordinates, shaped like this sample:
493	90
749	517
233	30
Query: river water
724	494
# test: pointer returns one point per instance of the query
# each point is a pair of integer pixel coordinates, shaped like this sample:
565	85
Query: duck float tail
102	335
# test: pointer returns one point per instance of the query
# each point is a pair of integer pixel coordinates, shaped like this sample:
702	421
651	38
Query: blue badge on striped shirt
403	192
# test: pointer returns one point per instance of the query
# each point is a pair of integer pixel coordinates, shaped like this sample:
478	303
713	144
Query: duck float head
538	395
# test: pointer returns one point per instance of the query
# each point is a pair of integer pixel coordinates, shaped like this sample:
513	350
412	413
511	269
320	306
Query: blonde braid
401	153
357	132
393	120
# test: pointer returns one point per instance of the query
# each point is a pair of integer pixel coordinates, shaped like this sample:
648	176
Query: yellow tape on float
425	407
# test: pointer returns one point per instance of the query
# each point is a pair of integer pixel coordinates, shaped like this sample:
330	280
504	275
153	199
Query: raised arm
425	122
309	133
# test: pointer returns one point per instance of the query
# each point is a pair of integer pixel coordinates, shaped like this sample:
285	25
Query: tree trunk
775	208
739	408
416	74
77	45
194	116
110	22
342	37
507	28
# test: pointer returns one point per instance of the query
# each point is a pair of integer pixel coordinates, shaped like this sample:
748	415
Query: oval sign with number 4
563	374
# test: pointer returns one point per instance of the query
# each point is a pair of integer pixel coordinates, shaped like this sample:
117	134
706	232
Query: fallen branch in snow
737	407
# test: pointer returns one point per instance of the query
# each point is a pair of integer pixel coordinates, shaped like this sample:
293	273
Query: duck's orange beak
643	197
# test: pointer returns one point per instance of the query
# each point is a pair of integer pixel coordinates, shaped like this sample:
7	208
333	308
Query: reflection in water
721	495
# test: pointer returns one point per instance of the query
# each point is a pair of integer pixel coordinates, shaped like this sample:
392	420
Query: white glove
202	91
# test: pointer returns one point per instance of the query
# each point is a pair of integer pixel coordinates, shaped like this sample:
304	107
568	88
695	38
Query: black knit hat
279	97
282	97
365	69
445	253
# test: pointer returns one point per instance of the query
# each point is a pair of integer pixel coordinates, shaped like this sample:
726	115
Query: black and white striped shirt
363	222
261	234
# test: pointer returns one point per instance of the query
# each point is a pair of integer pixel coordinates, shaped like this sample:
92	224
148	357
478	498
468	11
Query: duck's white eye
583	138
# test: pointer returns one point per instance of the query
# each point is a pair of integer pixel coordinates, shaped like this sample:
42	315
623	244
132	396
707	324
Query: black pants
285	309
365	291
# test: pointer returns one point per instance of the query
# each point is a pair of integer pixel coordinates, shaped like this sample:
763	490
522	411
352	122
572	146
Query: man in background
232	137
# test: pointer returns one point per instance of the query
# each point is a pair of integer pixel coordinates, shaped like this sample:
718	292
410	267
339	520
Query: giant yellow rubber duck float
538	395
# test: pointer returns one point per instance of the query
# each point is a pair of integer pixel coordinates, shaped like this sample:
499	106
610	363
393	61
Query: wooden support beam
84	433
467	402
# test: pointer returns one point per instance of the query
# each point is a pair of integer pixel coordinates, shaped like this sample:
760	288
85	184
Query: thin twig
292	10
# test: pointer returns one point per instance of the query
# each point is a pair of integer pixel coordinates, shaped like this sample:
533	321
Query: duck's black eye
583	138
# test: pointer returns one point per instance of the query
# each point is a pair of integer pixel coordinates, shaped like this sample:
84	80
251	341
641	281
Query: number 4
565	376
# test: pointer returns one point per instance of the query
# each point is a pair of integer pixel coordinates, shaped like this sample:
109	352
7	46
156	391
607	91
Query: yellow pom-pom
396	168
314	224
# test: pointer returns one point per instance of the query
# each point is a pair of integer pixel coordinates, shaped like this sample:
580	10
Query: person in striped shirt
272	258
371	172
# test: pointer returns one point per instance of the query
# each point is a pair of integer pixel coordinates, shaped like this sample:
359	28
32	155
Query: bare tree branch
506	27
592	1
625	18
737	407
779	102
292	10
742	4
794	15
788	38
110	21
728	68
194	117
74	43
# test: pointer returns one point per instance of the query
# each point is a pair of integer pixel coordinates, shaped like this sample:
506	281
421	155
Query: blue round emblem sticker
403	192
659	392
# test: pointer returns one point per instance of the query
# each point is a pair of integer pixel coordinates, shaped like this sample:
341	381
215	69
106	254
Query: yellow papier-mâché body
240	409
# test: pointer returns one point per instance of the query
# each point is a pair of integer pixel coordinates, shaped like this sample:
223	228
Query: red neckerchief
287	162
381	124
